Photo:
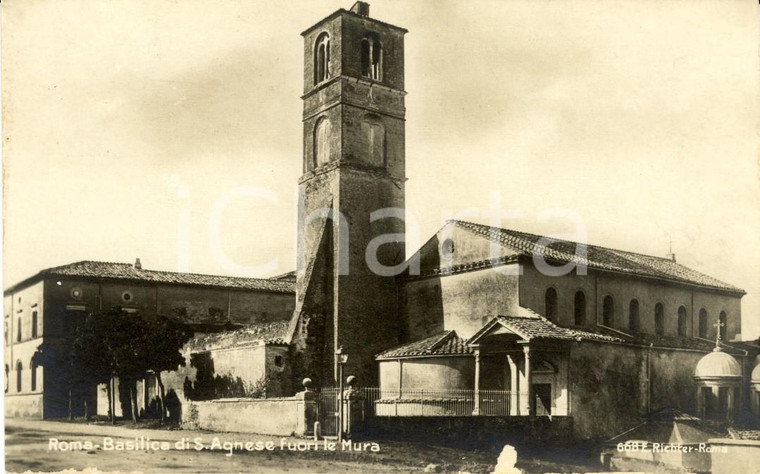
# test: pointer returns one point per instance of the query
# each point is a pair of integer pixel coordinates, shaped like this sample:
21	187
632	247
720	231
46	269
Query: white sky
125	118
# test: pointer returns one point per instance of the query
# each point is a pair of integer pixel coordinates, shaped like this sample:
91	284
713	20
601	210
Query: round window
127	297
76	293
447	247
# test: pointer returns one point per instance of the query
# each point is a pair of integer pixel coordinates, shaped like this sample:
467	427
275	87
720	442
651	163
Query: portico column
528	382
476	410
513	393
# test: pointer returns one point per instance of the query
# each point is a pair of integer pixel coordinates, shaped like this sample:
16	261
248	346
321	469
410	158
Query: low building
48	306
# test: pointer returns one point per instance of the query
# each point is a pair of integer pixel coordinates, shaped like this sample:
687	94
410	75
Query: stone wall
730	456
273	416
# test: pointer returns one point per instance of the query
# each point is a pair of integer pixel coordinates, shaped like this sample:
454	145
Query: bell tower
351	194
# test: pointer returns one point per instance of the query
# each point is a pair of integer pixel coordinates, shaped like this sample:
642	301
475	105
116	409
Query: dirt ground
28	447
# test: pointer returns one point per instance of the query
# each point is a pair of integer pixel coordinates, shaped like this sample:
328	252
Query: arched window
633	316
374	134
19	371
550	301
608	312
322	142
322	58
580	308
371	58
703	323
683	321
33	369
659	319
722	321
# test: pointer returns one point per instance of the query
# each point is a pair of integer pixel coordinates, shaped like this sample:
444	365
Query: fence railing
439	402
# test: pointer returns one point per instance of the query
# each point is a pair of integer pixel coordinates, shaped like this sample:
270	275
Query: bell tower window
322	142
372	56
322	59
374	134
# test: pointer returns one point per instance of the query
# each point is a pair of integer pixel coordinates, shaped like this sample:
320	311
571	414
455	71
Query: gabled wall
464	299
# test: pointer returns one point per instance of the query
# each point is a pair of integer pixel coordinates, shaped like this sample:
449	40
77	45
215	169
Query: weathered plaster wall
279	416
429	374
27	405
191	304
622	289
730	456
611	379
20	346
219	305
606	389
463	302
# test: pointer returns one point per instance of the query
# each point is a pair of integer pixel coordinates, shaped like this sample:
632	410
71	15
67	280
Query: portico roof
445	343
533	326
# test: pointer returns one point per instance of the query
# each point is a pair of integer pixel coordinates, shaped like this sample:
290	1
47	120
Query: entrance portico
522	356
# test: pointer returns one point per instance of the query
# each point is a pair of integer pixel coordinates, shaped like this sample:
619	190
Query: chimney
671	255
138	265
361	8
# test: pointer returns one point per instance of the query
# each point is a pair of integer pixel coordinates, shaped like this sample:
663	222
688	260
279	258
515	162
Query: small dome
717	364
756	374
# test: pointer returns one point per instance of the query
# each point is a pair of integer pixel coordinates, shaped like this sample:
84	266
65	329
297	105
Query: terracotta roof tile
260	333
442	343
595	257
538	327
125	271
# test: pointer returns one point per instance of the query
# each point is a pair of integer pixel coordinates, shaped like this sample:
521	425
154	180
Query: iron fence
428	402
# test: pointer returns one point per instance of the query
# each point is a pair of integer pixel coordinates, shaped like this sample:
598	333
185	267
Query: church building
522	325
481	321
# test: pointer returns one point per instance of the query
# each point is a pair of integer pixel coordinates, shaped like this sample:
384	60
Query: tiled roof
600	258
538	327
125	271
291	276
261	333
443	343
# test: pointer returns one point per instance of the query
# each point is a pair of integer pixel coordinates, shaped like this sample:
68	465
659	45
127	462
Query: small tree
115	343
109	346
162	350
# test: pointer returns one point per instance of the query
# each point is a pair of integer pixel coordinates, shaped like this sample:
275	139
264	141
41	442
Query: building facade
480	321
490	309
50	305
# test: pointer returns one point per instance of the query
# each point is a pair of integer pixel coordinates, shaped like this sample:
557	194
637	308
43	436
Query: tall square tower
351	227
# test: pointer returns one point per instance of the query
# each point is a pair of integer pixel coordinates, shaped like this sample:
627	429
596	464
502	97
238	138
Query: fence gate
327	411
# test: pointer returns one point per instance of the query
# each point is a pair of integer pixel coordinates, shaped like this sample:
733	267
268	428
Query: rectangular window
34	324
18	331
